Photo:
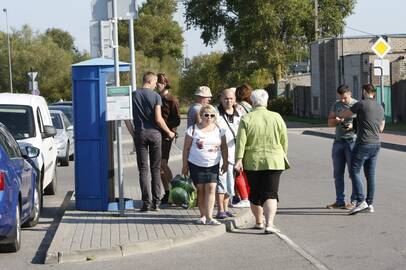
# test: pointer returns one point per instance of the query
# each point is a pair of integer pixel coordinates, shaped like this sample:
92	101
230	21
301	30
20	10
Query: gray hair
259	98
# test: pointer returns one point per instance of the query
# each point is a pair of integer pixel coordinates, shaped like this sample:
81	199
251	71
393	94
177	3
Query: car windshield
19	120
56	121
67	110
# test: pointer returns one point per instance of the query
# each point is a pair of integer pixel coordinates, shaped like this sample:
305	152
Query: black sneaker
154	207
165	198
144	208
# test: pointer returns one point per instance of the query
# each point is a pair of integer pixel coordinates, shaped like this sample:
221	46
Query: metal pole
101	40
132	54
9	53
382	86
316	20
118	122
382	90
32	85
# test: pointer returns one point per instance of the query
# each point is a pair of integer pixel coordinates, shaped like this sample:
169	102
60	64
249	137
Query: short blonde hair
209	109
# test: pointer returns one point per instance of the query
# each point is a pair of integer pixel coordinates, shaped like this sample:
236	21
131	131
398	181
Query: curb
150	245
391	146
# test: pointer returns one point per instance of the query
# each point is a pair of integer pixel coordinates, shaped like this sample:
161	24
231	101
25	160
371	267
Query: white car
64	137
28	119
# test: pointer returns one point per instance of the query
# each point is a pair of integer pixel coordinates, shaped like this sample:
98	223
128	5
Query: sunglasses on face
207	115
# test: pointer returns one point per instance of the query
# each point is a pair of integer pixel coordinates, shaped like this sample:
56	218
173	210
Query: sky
370	16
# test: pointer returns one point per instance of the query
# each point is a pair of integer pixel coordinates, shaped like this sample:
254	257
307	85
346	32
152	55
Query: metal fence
399	101
302	101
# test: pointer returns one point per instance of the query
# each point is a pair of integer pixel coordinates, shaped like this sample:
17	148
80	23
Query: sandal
200	221
271	229
213	222
259	226
221	215
230	214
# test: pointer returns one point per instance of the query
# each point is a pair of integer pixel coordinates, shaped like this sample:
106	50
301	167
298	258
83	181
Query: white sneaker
370	209
359	207
242	204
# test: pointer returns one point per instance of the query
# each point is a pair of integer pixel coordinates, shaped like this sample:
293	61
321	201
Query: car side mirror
70	128
29	152
49	131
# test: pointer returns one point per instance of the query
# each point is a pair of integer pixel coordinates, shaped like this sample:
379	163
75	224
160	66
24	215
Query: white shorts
225	182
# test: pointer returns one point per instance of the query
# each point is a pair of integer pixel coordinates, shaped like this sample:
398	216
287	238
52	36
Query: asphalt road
331	237
36	240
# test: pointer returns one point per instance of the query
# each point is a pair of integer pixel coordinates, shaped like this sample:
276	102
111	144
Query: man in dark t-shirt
148	123
371	122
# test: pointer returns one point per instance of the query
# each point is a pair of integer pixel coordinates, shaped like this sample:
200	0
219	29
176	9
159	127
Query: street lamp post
9	53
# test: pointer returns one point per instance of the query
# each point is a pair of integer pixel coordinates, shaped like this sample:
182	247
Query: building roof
99	62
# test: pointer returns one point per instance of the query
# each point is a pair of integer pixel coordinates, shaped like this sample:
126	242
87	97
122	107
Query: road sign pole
118	122
382	89
132	54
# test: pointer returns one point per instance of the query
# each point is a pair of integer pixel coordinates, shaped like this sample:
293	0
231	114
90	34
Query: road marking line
302	252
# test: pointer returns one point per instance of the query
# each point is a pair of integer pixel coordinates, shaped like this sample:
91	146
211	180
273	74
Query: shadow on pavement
39	257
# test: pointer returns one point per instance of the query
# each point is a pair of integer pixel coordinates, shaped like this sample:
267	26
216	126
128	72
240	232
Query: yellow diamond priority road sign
381	48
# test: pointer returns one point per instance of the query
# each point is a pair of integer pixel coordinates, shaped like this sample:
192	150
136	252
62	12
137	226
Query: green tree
203	70
63	39
35	52
156	33
263	34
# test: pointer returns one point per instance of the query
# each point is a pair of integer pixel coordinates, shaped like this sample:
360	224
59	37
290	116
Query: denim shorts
203	175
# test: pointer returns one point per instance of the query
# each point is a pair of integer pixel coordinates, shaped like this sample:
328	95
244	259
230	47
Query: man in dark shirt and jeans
148	123
371	121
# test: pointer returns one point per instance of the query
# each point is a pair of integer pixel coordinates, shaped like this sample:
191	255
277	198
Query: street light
9	53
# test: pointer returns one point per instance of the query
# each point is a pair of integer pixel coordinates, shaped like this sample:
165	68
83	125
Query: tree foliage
33	51
203	70
263	34
156	33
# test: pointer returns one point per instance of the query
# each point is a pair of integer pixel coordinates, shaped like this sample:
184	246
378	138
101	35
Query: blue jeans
364	155
341	155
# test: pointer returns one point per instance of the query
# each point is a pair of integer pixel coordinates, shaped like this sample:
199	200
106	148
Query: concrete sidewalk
89	235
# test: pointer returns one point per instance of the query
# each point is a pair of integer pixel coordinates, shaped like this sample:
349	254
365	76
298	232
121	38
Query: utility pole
118	122
316	20
9	53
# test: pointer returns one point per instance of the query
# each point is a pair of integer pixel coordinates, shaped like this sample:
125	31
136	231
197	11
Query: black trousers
148	147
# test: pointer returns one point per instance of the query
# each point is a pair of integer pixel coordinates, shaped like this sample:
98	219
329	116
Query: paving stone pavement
87	235
90	235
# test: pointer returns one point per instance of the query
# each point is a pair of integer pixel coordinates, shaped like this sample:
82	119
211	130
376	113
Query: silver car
64	137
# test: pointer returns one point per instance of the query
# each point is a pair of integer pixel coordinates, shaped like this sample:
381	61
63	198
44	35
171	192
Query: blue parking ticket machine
92	155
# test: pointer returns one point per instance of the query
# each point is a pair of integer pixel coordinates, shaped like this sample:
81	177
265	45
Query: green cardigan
262	141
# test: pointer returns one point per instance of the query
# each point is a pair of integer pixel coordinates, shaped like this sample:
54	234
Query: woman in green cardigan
261	149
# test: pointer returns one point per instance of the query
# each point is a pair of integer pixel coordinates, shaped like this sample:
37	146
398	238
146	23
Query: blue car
19	190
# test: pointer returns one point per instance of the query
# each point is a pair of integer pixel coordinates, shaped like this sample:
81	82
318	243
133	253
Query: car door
69	130
47	150
21	168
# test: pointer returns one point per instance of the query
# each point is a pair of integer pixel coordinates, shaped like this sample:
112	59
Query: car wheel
51	188
15	245
36	208
65	160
